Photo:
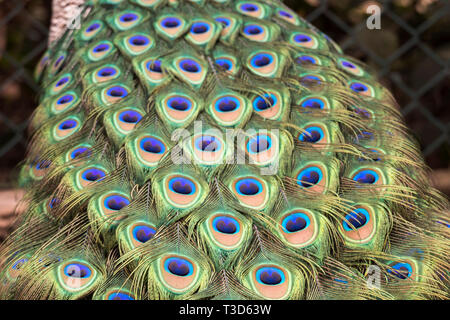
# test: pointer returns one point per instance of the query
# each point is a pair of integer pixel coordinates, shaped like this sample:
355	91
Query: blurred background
411	52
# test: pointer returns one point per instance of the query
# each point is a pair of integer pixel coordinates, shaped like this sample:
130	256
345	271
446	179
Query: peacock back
219	149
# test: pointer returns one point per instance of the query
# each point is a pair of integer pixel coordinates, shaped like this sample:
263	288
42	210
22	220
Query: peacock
218	149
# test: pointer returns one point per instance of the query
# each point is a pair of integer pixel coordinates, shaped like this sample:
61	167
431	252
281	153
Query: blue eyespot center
116	202
77	270
249	187
366	176
302	38
259	143
182	186
227	104
93	27
401	270
130	116
68	124
179	267
249	7
152	145
117	92
224	21
139	41
285	14
93	174
189	65
225	224
309	177
106	72
313	103
347	64
80	152
128	17
65	99
101	48
225	64
313	135
261	60
171	22
264	103
179	104
295	222
207	143
253	30
143	233
357	218
44	164
358	87
306	59
62	81
270	276
120	296
154	66
200	27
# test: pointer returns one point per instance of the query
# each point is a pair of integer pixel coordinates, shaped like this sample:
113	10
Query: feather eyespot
264	64
182	191
256	32
311	80
313	134
127	119
314	103
350	67
170	27
119	296
92	30
207	149
271	281
228	109
114	94
312	177
191	70
307	60
64	102
269	105
262	149
74	275
138	43
154	71
143	233
357	218
299	228
179	273
79	153
179	109
367	176
251	9
90	175
226	64
151	150
66	128
287	16
359	225
362	89
251	192
225	230
100	50
62	83
40	169
401	270
304	40
127	20
115	202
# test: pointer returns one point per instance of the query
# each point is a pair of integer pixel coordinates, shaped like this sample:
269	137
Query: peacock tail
219	149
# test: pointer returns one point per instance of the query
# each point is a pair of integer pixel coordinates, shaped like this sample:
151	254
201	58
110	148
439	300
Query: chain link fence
411	51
